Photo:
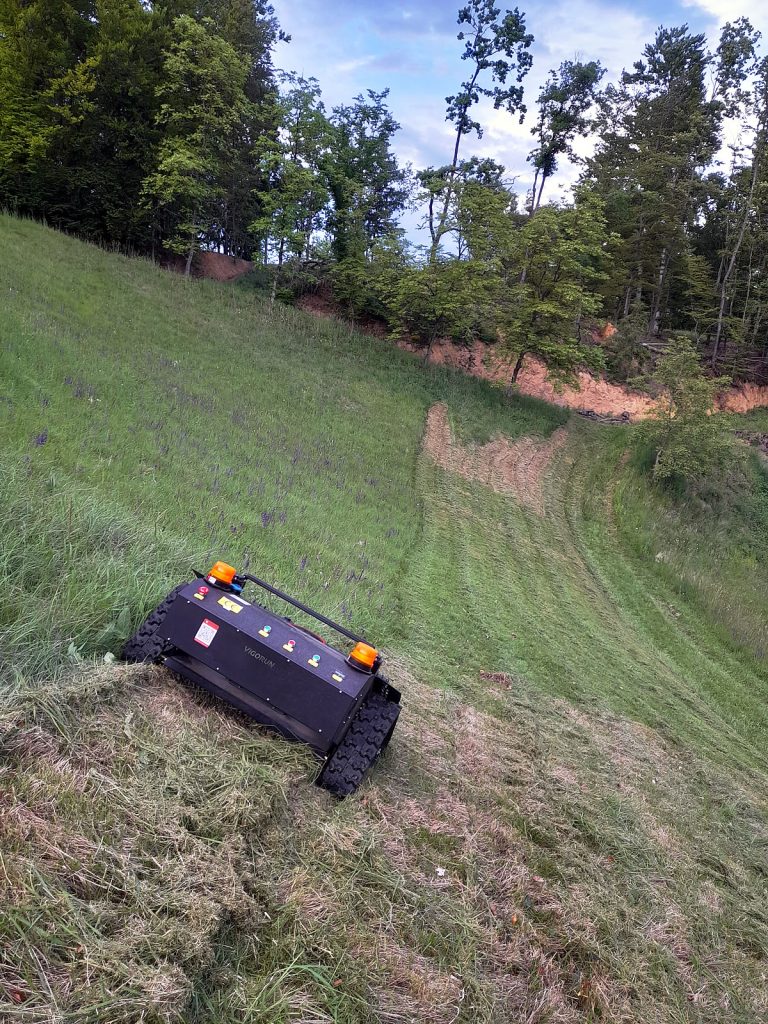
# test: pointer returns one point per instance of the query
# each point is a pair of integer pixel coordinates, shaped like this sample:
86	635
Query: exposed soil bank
213	265
744	398
595	394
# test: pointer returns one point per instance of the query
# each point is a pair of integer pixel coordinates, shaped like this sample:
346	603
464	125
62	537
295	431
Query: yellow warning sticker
231	606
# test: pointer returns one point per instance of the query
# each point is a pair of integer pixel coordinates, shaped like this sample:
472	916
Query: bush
689	443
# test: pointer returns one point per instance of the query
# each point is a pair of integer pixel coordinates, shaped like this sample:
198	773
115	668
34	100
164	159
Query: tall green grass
150	425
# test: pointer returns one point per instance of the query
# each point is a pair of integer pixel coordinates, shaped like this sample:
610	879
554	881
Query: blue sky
411	47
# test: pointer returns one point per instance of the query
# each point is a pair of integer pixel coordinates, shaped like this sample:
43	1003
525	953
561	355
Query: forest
165	128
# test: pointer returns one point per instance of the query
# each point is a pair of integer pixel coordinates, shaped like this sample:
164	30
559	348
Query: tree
472	179
434	299
367	186
658	130
202	109
564	103
80	125
564	251
745	188
251	29
293	196
493	47
105	108
40	42
689	443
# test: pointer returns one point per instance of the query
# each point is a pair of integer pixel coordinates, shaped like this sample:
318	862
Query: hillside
570	824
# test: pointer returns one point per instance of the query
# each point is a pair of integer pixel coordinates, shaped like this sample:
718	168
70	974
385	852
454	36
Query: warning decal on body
206	633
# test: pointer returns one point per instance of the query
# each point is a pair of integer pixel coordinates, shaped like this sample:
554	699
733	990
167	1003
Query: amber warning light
363	655
221	573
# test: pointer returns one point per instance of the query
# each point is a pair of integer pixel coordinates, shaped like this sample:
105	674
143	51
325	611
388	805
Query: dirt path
508	467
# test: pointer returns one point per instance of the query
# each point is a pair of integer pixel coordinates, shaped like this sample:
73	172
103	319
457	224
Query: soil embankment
594	395
213	265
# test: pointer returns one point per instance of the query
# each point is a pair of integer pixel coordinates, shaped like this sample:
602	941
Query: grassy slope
596	813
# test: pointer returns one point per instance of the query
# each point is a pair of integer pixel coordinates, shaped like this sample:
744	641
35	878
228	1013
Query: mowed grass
570	823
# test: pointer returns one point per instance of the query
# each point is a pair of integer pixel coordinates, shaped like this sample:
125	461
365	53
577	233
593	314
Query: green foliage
367	187
564	102
626	353
564	254
498	46
82	135
202	110
689	442
293	195
437	299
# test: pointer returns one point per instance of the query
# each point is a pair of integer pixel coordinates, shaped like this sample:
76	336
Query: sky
410	47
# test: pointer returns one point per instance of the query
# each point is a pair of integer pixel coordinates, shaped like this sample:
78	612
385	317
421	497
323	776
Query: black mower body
281	674
310	690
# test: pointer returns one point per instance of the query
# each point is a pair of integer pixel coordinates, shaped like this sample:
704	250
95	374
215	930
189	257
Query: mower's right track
365	741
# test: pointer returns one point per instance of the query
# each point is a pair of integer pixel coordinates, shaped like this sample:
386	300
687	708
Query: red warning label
206	633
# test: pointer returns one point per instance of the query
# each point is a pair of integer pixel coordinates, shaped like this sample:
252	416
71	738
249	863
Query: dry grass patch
509	467
511	860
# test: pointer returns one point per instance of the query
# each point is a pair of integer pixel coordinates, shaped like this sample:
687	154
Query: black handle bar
302	607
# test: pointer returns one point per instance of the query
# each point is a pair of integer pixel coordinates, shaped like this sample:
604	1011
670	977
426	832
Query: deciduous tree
564	104
202	110
688	442
496	50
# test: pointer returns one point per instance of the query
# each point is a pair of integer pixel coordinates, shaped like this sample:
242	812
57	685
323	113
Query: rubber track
146	644
368	735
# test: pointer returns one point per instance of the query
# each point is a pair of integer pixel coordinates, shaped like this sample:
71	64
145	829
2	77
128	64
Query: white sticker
206	633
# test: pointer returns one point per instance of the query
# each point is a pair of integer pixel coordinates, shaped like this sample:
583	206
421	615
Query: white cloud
346	66
730	10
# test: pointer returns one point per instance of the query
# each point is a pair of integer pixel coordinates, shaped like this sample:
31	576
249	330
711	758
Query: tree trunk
732	261
541	189
440	229
532	205
428	351
188	266
660	283
518	366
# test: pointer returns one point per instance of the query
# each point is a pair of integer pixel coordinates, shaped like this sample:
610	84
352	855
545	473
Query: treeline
165	127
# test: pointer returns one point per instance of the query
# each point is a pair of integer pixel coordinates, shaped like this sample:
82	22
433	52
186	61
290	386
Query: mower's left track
147	644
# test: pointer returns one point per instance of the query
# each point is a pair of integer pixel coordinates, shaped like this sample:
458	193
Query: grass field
571	822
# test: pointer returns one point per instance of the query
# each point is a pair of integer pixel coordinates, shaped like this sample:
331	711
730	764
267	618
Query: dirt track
508	467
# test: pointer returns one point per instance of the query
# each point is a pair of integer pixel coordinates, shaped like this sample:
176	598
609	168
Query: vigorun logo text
259	657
